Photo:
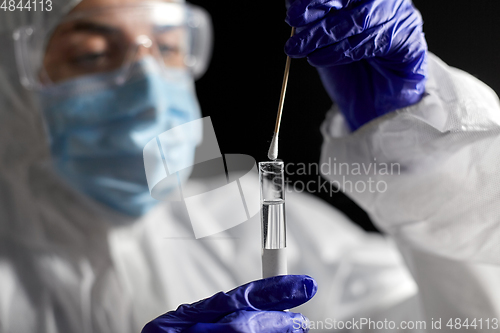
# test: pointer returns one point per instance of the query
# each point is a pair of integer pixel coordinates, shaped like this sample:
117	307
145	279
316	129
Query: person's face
103	40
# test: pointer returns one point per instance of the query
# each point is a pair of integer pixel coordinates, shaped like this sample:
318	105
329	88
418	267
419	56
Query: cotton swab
272	154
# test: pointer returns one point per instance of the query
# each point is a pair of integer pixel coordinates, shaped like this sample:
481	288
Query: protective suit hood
19	119
31	195
23	144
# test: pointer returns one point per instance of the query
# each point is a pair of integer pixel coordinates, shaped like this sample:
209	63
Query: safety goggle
111	40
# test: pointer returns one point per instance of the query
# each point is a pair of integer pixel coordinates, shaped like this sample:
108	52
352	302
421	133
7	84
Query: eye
88	50
167	49
90	58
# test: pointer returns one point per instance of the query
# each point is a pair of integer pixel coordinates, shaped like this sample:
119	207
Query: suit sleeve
428	174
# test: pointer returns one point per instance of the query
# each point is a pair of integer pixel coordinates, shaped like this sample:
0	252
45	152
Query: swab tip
272	154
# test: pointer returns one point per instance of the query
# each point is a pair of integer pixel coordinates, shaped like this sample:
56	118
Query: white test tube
272	197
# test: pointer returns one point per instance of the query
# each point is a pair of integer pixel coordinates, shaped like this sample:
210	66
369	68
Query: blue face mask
98	130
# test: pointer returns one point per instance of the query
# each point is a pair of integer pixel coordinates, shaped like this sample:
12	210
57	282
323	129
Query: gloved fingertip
289	3
151	327
302	13
292	48
328	57
305	324
310	287
294	21
293	17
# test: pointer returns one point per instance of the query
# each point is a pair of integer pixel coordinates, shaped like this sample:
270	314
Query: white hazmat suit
68	264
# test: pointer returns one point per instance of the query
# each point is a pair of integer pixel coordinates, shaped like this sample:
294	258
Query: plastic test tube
272	197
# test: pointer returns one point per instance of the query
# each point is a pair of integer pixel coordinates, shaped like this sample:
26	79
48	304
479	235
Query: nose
144	46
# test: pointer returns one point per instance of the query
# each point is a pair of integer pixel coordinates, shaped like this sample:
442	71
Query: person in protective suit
84	247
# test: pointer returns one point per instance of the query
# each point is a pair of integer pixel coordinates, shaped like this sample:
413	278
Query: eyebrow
95	27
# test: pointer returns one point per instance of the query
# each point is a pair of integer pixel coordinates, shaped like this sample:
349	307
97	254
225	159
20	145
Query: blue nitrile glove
371	54
254	307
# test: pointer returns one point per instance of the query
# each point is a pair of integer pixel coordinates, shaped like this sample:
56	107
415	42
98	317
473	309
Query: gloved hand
371	54
254	307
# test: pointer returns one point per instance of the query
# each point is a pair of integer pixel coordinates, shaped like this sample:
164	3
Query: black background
241	89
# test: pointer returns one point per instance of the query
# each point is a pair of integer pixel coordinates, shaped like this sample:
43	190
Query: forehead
92	4
123	14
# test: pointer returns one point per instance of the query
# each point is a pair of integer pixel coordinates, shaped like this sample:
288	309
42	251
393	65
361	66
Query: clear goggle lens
105	40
